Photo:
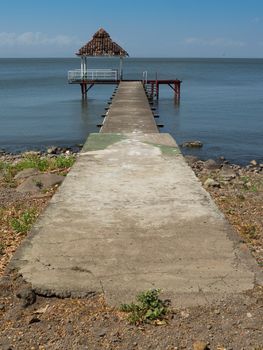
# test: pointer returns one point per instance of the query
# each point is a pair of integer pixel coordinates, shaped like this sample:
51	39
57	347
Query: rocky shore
27	182
238	192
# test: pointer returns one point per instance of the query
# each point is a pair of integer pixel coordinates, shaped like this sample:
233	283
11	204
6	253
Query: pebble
2	307
101	333
249	315
34	320
185	314
200	345
211	183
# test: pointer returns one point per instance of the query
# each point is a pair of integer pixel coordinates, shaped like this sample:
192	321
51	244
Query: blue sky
145	28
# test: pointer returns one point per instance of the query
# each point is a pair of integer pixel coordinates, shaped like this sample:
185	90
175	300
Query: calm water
221	103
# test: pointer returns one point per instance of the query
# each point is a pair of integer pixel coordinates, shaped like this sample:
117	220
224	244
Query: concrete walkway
130	111
131	216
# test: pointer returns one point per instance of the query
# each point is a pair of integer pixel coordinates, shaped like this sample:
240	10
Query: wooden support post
157	89
177	92
84	90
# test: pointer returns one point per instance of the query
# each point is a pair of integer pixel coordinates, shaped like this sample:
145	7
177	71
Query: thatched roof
101	45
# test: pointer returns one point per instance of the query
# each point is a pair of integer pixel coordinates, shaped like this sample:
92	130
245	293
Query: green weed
61	162
24	222
149	307
43	164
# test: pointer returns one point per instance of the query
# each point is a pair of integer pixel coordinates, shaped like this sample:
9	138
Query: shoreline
76	148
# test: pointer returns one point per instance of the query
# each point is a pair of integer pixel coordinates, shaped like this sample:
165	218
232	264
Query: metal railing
145	77
92	74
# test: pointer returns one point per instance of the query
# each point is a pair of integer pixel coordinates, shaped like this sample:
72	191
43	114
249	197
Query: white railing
92	74
145	77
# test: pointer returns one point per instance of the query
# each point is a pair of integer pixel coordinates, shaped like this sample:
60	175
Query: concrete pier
130	111
131	216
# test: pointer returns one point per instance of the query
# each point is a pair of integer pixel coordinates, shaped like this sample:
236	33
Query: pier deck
130	111
131	216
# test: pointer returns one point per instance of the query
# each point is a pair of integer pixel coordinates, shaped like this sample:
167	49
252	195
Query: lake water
221	103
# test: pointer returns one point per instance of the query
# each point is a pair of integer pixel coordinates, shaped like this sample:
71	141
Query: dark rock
2	307
27	295
34	319
191	160
35	184
192	144
211	164
26	173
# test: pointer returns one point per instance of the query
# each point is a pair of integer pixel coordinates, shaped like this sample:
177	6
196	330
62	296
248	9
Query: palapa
101	45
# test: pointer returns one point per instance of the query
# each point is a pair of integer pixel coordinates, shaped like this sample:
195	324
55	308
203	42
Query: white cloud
216	42
35	39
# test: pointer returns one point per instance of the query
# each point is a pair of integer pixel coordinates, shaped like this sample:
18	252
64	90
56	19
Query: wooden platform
152	86
130	111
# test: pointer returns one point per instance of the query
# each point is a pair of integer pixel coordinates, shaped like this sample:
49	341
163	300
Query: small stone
211	183
254	162
227	172
2	307
209	327
27	295
249	315
217	312
200	345
101	333
115	340
34	320
185	314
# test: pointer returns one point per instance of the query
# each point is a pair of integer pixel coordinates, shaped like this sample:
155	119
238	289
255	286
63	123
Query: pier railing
92	74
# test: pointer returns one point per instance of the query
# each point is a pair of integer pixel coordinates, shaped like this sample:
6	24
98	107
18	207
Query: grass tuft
24	222
149	307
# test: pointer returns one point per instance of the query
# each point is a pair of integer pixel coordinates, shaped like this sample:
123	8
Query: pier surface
130	111
131	216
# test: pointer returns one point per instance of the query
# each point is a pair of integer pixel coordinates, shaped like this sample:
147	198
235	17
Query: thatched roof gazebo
101	45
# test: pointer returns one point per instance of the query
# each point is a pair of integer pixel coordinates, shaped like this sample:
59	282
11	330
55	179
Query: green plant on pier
149	307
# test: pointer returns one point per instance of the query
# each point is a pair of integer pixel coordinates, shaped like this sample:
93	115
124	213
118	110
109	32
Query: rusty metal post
84	90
